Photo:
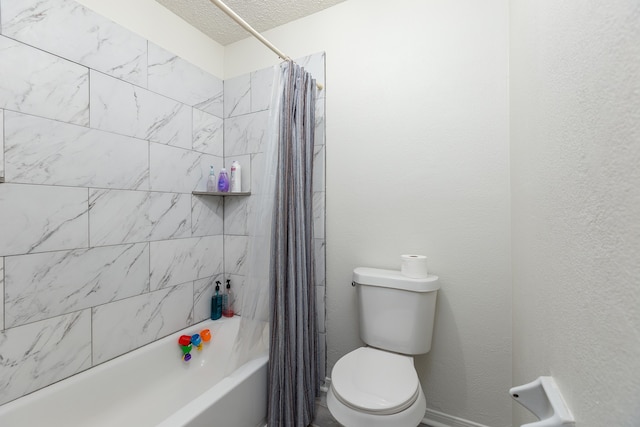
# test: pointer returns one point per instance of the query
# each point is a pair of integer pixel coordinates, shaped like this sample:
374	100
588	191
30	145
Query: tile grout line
4	285
166	288
148	291
93	127
88	218
91	335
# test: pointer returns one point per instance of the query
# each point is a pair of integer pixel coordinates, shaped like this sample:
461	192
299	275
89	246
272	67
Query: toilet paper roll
414	266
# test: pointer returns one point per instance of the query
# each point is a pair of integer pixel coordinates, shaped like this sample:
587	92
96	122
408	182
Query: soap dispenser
211	181
216	303
229	300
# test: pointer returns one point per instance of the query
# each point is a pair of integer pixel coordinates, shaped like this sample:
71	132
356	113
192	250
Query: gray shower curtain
293	358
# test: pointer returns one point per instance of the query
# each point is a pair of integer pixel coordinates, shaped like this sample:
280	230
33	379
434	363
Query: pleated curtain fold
293	353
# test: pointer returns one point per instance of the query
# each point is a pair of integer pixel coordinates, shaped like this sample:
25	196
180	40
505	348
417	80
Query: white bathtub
152	386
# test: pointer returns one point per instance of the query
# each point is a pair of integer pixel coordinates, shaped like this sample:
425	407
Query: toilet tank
396	312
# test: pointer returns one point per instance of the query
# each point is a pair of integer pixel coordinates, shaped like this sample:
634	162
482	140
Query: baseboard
439	419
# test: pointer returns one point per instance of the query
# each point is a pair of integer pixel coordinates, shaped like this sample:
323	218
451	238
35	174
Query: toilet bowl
376	388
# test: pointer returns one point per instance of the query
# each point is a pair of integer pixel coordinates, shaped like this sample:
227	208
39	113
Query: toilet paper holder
543	398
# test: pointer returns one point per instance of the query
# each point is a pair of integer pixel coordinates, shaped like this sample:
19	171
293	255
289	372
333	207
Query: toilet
377	385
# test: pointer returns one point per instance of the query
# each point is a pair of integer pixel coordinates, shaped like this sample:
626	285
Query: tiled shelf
216	193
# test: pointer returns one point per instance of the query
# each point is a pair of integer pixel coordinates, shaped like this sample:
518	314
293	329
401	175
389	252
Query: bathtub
152	386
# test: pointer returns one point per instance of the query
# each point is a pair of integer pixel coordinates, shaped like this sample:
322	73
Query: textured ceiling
262	15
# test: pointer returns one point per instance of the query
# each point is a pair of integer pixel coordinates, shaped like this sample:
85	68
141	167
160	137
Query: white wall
157	24
575	135
417	161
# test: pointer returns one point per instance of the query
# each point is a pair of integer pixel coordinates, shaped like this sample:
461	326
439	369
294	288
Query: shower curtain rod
226	9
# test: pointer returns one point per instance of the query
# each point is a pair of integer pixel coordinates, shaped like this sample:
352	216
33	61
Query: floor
323	416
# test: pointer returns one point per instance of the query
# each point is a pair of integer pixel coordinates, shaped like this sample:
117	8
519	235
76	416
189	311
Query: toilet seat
375	381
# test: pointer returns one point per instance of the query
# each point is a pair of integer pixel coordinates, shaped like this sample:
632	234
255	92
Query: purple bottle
223	181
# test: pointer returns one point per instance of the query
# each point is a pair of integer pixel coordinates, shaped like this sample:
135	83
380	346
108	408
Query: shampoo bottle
229	300
211	181
216	303
223	181
236	177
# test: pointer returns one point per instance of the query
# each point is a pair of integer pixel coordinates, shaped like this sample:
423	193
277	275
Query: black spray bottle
216	303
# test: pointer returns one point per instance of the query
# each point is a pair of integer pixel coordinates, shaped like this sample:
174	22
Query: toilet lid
375	381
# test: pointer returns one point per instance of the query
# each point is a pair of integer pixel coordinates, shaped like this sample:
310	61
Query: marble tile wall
69	30
1	293
1	145
246	111
103	137
315	64
37	82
